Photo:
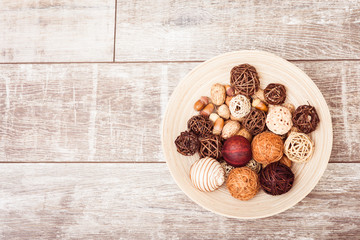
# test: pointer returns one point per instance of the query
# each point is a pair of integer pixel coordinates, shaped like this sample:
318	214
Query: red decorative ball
237	151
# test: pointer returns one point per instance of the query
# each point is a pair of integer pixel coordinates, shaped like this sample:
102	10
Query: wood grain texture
141	201
56	31
180	30
112	112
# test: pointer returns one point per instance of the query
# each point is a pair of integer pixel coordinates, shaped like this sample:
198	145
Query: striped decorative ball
207	175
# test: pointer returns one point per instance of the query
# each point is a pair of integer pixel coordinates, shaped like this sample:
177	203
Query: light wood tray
300	90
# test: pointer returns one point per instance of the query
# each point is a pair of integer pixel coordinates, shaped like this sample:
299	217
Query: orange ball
267	147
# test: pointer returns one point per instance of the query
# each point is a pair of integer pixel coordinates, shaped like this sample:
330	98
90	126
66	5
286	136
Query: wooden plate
300	90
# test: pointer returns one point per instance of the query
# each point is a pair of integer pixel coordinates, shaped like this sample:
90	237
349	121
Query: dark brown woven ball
187	143
276	178
200	125
305	118
210	146
244	79
275	93
255	121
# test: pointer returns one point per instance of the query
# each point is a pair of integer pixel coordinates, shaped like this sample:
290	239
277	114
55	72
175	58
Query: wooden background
83	87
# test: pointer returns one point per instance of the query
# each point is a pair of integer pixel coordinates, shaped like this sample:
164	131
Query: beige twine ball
299	147
239	106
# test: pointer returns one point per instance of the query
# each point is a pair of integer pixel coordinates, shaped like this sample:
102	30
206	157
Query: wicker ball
244	79
255	121
243	183
227	168
276	178
207	174
275	93
210	146
305	118
187	143
267	147
279	120
239	106
200	125
299	147
254	165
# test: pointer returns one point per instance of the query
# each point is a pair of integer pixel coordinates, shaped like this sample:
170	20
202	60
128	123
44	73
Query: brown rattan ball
305	118
276	178
187	143
267	147
200	125
243	183
275	93
255	121
244	79
210	146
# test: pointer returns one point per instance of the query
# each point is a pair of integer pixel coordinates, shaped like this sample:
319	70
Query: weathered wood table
83	87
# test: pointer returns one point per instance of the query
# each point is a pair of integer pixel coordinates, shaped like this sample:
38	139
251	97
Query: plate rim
172	97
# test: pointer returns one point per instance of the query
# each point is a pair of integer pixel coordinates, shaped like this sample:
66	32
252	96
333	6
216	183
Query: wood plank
198	30
141	201
112	112
56	31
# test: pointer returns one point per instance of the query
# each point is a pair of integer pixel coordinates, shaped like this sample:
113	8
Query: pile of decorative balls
247	137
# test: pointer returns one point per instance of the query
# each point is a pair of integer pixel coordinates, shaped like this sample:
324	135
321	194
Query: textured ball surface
276	178
306	118
207	175
267	147
279	120
237	151
243	183
244	79
187	143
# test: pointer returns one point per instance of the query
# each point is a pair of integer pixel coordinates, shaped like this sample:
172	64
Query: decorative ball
187	143
210	146
239	106
200	125
275	93
276	178
299	147
237	151
243	183
227	168
255	121
305	118
267	147
244	79
254	165
279	120
207	175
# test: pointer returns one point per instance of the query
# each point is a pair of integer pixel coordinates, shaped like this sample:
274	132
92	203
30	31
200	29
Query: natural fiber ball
299	147
187	143
254	165
207	174
267	147
200	125
227	168
210	146
305	118
243	183
244	79
276	178
279	120
239	106
275	93
255	121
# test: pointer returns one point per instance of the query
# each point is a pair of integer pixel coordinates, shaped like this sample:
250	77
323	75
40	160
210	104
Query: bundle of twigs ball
305	118
276	178
267	147
244	79
299	147
255	121
243	183
187	143
200	125
210	146
275	93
